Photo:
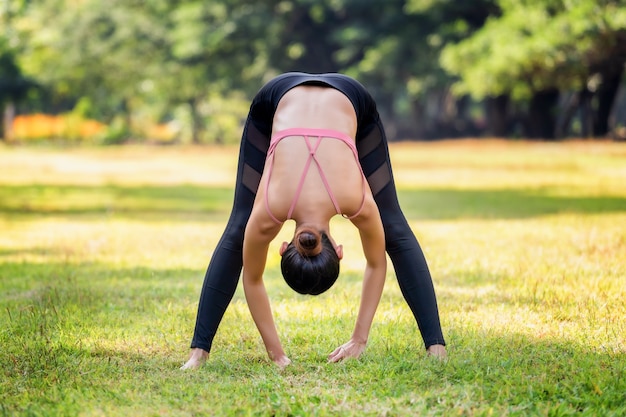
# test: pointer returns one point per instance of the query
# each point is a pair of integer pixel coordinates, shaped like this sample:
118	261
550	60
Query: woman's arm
258	235
373	242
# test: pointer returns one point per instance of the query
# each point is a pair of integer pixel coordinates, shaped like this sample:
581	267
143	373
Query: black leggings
222	275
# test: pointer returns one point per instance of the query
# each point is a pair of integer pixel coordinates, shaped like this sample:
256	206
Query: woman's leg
222	275
402	246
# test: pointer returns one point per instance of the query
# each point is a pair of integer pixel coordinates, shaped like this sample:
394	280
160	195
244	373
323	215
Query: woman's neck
317	224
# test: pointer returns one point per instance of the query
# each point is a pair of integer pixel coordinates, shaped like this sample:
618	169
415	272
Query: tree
535	65
13	84
213	48
155	56
395	47
536	49
97	50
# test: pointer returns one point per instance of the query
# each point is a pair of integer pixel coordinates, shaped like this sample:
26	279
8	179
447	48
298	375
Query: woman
313	146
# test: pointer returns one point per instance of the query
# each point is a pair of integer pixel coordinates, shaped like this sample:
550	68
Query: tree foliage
436	67
535	45
535	50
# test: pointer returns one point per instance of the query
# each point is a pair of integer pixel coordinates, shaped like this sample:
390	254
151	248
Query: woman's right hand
282	361
351	349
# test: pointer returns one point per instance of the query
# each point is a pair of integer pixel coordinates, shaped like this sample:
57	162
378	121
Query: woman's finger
337	354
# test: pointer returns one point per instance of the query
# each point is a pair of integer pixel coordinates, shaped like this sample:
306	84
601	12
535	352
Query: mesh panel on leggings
251	178
375	164
379	179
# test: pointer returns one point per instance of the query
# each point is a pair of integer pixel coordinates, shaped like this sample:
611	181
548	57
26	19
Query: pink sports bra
308	133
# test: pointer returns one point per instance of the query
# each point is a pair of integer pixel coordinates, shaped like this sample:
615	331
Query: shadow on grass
187	202
63	303
40	251
535	378
444	204
34	296
92	279
147	202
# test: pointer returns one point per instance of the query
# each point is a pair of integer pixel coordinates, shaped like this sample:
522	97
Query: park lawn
103	252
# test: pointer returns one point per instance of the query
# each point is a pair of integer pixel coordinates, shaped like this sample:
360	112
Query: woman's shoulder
368	213
260	223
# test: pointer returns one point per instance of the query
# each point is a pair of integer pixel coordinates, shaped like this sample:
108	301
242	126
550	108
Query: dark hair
310	264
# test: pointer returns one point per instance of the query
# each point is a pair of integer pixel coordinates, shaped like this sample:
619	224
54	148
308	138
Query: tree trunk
196	122
586	114
127	120
565	118
6	130
461	123
418	126
497	114
541	120
606	98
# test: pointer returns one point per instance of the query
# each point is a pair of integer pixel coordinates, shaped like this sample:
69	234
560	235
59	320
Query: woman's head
310	263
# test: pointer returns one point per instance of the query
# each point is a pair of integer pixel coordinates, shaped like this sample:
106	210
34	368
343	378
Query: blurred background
184	71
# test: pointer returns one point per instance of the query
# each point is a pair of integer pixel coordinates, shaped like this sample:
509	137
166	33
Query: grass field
103	252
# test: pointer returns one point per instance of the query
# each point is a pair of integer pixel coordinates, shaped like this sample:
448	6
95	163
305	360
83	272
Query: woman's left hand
352	349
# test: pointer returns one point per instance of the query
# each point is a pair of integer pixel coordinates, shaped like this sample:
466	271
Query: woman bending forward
314	147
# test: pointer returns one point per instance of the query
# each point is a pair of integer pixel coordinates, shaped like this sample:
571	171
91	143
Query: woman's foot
438	351
196	359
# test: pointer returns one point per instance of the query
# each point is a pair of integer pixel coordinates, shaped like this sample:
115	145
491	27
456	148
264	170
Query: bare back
321	108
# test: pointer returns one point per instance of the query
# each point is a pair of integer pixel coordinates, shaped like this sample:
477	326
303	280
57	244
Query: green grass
103	251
